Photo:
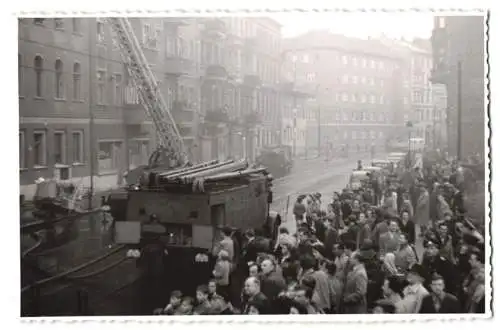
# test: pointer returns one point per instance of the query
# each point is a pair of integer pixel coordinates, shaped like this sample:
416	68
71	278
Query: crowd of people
400	243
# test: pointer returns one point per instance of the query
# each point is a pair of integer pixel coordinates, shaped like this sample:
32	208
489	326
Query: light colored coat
412	301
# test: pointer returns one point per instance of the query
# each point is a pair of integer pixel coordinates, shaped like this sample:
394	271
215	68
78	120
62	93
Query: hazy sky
362	25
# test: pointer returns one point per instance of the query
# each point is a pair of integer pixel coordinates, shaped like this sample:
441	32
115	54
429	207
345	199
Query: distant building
460	39
357	86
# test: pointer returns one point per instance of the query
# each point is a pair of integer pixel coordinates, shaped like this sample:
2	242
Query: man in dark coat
272	282
252	291
439	301
434	263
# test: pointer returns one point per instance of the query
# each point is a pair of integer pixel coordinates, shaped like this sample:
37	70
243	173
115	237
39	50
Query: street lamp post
294	147
409	124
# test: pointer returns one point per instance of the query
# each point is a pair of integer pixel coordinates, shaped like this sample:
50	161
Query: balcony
215	28
251	44
216	72
134	115
252	81
183	114
177	65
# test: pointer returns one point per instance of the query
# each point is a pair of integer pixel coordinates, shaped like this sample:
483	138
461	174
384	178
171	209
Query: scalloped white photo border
227	8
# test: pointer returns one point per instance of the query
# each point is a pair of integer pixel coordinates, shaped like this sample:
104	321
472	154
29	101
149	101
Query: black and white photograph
270	163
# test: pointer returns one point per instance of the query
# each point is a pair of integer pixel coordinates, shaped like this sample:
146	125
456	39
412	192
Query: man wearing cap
415	292
434	263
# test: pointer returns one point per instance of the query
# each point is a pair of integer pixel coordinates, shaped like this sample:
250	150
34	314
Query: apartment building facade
241	81
80	112
357	89
458	41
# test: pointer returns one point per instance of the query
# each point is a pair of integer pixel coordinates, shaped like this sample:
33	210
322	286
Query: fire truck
164	224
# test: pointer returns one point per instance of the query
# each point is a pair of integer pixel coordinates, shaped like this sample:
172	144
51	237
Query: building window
353	97
39	148
374	116
345	79
305	58
363	98
381	82
354	79
311	77
59	80
146	34
20	75
405	100
441	22
77	147
38	76
100	31
363	63
110	156
101	86
345	97
353	135
346	116
118	95
363	80
22	150
76	25
59	23
38	21
354	61
381	65
372	64
77	80
59	148
139	152
372	99
381	99
344	59
372	81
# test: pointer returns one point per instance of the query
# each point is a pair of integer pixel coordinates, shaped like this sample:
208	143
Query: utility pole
459	110
91	116
294	108
319	130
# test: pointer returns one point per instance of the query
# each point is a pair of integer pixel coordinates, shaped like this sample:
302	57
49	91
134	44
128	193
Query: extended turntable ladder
170	140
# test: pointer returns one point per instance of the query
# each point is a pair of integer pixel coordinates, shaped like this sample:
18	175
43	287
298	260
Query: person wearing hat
433	262
299	209
374	271
415	292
